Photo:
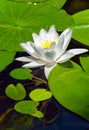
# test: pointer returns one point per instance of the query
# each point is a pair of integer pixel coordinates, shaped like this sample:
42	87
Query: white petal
25	59
66	35
48	69
77	51
33	64
59	47
49	55
43	34
52	34
65	57
29	49
52	29
37	39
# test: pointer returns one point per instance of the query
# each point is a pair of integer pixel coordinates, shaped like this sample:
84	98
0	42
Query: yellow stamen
46	44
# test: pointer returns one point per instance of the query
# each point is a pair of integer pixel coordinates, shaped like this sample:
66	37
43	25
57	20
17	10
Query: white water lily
48	49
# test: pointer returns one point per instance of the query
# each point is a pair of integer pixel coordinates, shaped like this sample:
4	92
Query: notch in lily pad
15	92
40	94
28	107
21	73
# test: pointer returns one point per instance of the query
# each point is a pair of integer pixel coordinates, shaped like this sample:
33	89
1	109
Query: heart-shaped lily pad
26	107
40	94
15	92
70	86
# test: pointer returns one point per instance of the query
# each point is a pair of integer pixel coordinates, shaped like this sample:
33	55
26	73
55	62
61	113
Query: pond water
56	116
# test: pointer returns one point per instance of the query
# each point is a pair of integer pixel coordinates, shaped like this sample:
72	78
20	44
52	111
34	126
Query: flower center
46	44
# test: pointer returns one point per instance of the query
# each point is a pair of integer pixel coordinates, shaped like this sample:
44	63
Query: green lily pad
15	92
81	27
21	73
38	1
26	107
19	20
56	3
6	58
69	85
40	94
38	114
85	63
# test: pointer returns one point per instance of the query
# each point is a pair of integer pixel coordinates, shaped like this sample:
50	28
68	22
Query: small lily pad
40	94
21	73
38	114
15	92
26	107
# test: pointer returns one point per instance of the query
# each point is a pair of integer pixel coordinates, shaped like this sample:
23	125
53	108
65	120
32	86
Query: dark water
62	118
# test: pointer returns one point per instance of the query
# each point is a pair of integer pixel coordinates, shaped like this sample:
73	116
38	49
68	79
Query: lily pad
6	58
56	3
26	107
15	92
17	23
38	1
81	27
21	73
69	85
40	94
85	63
38	114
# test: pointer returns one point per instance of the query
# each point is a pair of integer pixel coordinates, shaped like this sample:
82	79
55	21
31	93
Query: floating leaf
81	27
56	3
19	20
38	114
38	1
26	107
69	85
21	73
15	92
40	94
85	63
6	58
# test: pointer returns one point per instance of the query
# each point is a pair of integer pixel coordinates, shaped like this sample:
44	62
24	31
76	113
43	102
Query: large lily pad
56	3
81	27
85	63
70	86
38	1
6	58
19	20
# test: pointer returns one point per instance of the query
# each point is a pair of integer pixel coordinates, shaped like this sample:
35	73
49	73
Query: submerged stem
37	79
2	117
